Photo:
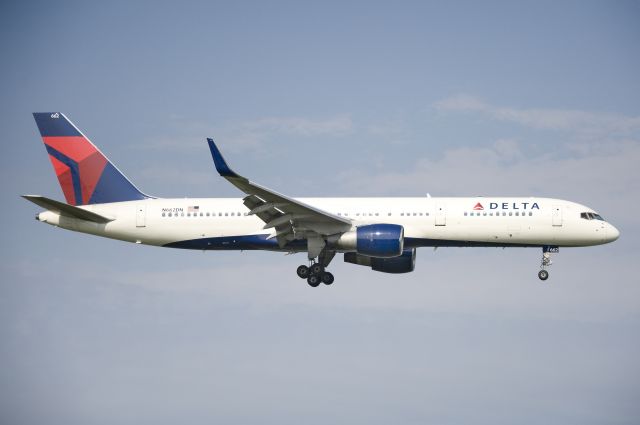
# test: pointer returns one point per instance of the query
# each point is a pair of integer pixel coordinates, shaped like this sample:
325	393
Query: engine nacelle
380	240
404	263
373	240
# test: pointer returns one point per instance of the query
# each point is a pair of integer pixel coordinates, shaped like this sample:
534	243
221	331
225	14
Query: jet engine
373	240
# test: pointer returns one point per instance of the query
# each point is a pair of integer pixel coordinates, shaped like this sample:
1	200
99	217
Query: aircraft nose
612	233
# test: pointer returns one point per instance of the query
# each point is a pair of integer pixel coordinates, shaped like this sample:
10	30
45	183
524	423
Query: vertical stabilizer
86	176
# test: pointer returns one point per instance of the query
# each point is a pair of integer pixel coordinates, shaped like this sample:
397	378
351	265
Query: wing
289	218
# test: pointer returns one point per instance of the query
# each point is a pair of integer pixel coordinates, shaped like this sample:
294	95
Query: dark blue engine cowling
404	263
380	240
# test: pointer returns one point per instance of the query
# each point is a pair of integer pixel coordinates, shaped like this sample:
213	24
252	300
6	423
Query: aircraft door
141	214
441	215
556	215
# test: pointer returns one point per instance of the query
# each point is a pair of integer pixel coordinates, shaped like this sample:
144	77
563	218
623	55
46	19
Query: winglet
218	160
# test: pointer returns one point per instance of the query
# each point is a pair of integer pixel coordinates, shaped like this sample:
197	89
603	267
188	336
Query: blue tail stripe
54	124
114	187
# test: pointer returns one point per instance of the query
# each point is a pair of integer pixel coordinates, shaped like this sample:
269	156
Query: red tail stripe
75	147
66	181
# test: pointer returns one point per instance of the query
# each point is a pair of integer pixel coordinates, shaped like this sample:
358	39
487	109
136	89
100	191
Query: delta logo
508	206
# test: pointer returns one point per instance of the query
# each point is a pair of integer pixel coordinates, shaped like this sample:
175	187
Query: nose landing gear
543	274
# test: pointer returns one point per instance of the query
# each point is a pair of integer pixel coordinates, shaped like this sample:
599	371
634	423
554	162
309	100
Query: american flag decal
193	209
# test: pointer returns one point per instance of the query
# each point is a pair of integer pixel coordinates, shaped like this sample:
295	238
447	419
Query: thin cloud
582	122
340	125
248	135
502	169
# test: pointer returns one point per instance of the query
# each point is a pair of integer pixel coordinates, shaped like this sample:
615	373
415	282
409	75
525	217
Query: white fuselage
223	223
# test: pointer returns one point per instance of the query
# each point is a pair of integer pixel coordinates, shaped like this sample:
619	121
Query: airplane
380	233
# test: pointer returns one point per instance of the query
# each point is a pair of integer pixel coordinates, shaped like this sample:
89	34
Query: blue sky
325	99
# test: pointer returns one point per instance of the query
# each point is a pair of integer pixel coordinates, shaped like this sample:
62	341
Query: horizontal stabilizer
66	209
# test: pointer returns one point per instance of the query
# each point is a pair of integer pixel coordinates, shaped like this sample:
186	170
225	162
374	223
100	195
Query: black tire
303	271
316	269
543	275
327	278
313	280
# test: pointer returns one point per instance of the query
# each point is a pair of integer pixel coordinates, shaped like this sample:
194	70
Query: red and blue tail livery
86	176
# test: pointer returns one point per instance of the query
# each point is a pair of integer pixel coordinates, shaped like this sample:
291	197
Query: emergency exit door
441	215
141	215
556	215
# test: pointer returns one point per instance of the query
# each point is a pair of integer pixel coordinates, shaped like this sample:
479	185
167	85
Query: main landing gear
543	274
315	274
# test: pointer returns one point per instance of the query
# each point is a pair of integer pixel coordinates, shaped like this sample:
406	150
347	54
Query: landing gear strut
543	274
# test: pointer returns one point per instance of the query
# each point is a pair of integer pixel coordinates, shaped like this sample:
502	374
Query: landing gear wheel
327	278
316	268
543	275
313	280
303	271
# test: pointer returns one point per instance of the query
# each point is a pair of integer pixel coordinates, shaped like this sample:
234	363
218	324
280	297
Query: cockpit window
591	216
